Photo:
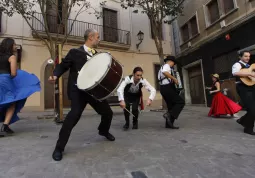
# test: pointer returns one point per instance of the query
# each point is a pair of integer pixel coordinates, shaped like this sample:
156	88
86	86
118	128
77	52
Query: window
1	20
213	10
228	5
110	25
190	29
156	70
193	26
54	16
216	9
185	32
152	34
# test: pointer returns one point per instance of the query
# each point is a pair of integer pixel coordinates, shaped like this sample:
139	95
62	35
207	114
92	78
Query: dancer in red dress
221	105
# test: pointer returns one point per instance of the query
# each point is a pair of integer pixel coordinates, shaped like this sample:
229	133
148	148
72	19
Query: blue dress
15	90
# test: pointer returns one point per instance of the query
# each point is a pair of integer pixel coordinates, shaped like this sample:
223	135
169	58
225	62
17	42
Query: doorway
196	87
193	82
49	89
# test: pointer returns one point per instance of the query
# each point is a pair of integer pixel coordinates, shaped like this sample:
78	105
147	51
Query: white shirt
237	67
165	68
87	50
135	88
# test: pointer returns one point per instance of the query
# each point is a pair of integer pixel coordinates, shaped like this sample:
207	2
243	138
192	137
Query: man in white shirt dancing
130	91
169	92
246	93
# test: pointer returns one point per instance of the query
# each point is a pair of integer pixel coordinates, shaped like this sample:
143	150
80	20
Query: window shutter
228	5
213	9
1	21
110	25
185	33
193	25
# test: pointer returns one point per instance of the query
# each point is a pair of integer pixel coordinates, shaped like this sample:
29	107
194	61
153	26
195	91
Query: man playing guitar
246	93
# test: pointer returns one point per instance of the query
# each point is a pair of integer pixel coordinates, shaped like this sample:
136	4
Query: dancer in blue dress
15	86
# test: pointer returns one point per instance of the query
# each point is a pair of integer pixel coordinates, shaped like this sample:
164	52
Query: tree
53	19
49	10
158	12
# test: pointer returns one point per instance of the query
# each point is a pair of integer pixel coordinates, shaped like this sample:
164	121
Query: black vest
129	94
237	77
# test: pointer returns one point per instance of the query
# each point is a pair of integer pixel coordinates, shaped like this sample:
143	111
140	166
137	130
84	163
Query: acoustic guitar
249	81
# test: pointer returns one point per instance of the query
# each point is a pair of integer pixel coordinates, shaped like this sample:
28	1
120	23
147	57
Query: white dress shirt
87	50
165	68
135	87
237	67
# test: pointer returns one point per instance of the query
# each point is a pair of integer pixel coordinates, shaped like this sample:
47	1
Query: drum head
93	71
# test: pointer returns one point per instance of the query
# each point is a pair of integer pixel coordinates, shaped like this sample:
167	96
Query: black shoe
2	134
169	121
108	136
135	126
57	155
170	127
248	131
5	128
240	122
126	126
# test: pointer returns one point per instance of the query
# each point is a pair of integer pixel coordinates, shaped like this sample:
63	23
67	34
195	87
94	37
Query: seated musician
130	91
246	93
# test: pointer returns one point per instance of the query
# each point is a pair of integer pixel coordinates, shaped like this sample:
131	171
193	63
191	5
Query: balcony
110	37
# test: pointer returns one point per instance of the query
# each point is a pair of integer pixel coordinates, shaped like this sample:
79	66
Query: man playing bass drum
74	61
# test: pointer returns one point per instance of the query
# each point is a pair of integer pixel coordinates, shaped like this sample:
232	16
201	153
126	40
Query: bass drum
100	76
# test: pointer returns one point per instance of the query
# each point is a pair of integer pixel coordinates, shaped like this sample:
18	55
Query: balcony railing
77	28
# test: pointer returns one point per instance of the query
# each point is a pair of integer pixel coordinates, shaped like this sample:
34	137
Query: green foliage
156	9
158	12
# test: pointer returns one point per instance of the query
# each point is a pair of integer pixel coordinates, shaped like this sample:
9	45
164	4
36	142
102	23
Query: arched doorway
49	89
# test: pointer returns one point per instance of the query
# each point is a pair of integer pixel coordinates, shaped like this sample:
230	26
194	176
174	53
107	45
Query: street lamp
140	36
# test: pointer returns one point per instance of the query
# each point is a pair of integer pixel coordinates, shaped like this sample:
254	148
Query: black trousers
247	95
79	101
135	100
174	102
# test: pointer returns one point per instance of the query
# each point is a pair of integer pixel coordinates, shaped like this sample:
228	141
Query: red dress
222	105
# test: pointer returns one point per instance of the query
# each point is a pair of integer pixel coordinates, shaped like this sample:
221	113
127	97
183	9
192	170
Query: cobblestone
202	148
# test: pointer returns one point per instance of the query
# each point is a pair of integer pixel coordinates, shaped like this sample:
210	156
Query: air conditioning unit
222	24
189	44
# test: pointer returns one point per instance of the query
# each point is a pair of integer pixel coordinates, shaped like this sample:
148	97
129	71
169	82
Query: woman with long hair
221	105
15	86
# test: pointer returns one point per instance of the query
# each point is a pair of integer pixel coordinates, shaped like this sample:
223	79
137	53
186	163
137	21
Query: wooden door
49	90
110	25
196	85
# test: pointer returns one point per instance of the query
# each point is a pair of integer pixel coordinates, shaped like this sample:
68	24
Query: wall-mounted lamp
140	36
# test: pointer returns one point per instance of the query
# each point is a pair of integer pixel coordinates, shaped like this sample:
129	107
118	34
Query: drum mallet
129	112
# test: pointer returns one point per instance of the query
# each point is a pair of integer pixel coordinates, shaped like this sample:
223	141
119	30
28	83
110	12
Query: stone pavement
203	148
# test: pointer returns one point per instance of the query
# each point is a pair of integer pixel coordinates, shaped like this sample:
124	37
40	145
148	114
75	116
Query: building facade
212	32
118	30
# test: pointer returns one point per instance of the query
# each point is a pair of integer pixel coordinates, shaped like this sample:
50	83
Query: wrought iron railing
77	28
